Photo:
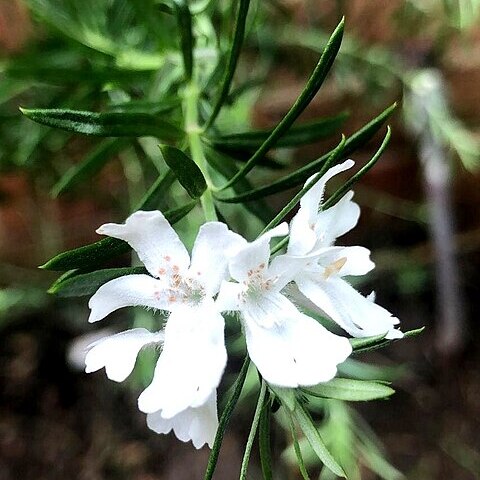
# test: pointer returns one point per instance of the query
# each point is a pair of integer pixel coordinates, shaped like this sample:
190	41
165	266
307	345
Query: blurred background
420	218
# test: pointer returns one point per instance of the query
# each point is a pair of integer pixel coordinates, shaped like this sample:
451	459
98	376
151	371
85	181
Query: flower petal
130	290
118	353
229	297
191	364
336	221
212	248
254	255
302	234
355	313
155	241
196	424
284	268
290	348
349	260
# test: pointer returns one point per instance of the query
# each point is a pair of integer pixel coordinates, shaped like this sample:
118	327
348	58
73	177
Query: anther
334	267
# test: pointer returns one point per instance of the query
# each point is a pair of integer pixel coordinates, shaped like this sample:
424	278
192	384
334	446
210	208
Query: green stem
193	131
253	432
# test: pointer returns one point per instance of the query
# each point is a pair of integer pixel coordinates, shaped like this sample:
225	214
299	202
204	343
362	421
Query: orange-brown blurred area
56	422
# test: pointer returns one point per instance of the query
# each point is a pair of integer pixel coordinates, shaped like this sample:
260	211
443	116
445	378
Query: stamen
334	267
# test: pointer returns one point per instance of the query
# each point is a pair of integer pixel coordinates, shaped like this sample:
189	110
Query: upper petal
211	251
355	313
118	353
255	255
196	424
155	241
336	221
294	349
191	364
130	290
302	234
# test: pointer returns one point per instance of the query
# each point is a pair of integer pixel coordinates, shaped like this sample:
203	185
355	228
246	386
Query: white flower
288	347
118	353
193	358
319	277
196	424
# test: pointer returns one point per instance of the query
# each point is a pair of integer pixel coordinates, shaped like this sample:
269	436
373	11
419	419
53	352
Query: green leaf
358	370
298	135
185	169
305	422
110	124
90	166
184	22
253	431
234	53
264	441
241	155
297	449
154	107
361	137
88	255
350	390
65	276
84	284
152	197
225	164
99	252
296	199
359	343
286	396
338	195
381	343
311	88
225	419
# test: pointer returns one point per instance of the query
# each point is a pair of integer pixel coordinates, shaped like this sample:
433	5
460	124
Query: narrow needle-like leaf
375	345
90	165
311	88
359	138
264	440
184	22
253	431
225	418
339	193
313	436
348	184
234	53
294	201
296	447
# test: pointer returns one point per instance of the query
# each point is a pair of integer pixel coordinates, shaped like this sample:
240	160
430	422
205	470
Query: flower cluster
225	273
